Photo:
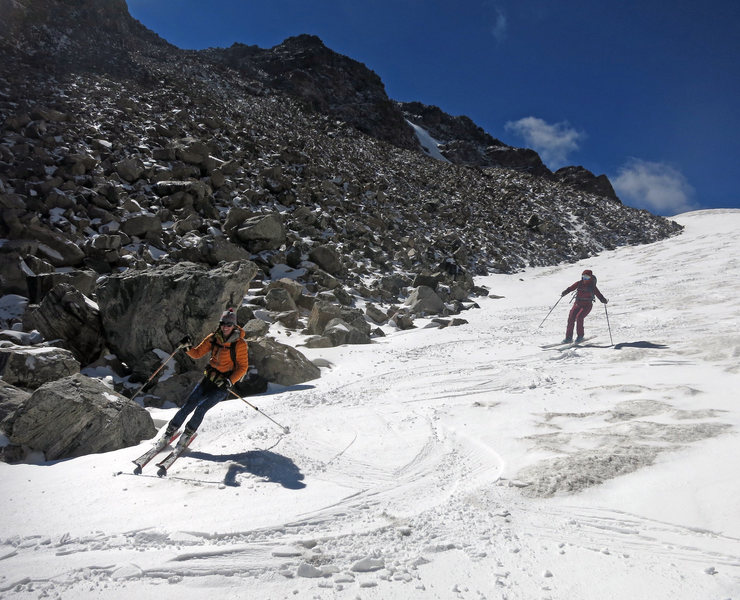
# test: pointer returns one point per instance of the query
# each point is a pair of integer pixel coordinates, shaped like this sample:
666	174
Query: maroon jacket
585	291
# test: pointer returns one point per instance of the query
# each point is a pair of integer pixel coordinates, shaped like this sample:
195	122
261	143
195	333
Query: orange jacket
221	354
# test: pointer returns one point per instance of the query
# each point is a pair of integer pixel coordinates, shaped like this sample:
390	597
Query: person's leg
195	397
208	401
571	322
584	310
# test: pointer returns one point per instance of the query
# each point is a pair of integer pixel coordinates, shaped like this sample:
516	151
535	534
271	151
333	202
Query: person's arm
570	288
201	349
242	361
599	295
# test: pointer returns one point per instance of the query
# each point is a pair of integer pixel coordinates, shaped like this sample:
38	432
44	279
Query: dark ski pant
203	398
576	316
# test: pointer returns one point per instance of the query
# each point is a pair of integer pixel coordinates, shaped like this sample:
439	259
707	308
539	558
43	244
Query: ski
168	461
564	345
547	346
158	446
583	341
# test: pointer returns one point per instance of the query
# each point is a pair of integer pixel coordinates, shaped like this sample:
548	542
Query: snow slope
461	463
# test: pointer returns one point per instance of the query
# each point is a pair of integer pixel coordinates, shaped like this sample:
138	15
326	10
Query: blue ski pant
203	398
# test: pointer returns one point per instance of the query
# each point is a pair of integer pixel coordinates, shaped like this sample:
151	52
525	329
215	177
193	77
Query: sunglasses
225	324
585	277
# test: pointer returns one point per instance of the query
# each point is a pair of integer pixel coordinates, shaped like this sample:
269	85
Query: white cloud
658	187
553	142
500	27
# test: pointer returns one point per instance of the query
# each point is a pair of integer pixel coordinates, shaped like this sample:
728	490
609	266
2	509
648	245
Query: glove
563	293
225	383
185	343
606	300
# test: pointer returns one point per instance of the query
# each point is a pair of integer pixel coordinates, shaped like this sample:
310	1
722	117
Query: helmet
228	317
588	272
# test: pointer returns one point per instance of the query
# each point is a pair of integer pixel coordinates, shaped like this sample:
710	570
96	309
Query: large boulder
281	364
55	247
424	300
340	332
278	299
33	367
154	308
323	312
130	169
67	314
11	399
78	415
376	314
294	288
211	250
262	232
327	258
39	285
143	225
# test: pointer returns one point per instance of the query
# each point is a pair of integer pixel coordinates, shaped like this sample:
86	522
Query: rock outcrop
79	415
67	314
281	364
156	307
30	367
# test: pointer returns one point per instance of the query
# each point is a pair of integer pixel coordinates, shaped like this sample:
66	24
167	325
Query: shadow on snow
641	344
271	466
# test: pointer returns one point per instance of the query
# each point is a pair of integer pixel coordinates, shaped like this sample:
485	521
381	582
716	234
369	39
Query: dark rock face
98	36
326	81
464	143
585	180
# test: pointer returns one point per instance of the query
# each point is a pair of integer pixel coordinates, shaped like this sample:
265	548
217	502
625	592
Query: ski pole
607	324
285	429
155	372
548	314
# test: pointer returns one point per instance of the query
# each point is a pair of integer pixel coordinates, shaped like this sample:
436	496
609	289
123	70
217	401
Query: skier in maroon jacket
585	291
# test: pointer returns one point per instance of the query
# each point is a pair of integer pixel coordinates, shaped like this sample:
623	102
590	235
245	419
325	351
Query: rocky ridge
122	157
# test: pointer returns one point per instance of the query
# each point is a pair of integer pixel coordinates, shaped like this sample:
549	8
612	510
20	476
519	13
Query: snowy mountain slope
458	463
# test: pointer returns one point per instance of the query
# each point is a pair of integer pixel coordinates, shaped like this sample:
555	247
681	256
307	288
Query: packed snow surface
462	463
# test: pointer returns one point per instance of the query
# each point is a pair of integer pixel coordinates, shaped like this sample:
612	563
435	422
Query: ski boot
185	438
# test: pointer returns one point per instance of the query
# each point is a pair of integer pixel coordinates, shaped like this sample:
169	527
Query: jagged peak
304	40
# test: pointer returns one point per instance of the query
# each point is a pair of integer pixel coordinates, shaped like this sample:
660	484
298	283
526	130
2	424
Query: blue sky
645	91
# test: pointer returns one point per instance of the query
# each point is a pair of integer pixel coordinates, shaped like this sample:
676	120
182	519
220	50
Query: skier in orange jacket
228	364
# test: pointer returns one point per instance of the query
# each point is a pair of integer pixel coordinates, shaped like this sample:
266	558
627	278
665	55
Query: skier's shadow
641	344
261	463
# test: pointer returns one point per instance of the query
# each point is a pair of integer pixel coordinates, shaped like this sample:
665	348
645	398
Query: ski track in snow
411	459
